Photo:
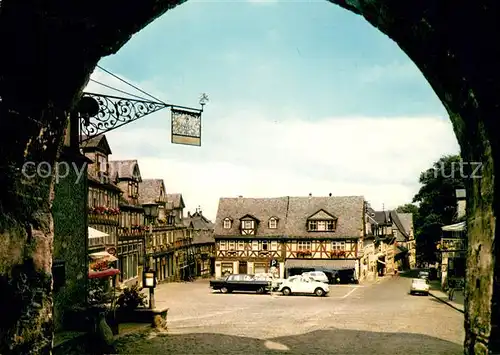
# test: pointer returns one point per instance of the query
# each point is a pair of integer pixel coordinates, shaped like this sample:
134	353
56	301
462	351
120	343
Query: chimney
310	194
330	194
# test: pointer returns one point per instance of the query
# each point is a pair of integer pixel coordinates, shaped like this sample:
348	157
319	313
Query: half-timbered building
160	236
324	233
103	198
182	237
394	241
289	233
131	231
249	235
203	242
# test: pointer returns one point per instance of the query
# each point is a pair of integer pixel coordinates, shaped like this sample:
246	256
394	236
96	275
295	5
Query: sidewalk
438	293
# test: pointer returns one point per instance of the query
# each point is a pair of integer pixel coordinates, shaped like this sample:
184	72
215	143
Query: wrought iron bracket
99	114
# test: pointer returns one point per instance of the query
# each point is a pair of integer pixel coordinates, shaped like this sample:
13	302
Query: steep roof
175	201
293	213
99	143
261	208
203	237
382	217
124	169
399	226
407	221
348	209
150	191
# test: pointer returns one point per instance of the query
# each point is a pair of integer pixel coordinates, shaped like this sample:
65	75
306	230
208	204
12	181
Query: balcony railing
103	218
136	230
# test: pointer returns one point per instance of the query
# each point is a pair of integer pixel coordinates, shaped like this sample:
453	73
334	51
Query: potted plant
102	304
128	301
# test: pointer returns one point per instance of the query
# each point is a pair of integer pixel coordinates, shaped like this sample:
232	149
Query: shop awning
102	274
327	264
457	227
103	255
94	233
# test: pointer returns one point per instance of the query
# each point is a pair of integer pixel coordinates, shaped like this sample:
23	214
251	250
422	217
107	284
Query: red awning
104	273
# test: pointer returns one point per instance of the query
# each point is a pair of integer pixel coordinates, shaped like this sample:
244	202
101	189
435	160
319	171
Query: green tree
408	208
437	203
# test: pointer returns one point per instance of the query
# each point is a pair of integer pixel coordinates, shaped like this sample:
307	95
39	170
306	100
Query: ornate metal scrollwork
112	112
186	123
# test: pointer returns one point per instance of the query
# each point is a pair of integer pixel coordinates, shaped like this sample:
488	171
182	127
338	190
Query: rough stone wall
457	61
70	237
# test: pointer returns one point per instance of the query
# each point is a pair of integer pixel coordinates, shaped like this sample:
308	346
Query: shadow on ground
331	341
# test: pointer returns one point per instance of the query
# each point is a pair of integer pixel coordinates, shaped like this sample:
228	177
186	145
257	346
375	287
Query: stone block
156	317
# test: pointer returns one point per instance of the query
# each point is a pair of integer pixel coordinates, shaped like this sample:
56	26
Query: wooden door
243	269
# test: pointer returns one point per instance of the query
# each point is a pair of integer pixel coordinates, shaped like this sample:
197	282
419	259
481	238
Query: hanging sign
186	127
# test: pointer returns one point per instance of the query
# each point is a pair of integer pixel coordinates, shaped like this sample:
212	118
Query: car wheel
260	290
412	293
319	292
224	290
286	291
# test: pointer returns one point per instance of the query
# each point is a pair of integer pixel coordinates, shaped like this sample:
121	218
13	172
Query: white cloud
253	153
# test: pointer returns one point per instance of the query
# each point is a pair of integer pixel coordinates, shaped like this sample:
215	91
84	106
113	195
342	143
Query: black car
240	282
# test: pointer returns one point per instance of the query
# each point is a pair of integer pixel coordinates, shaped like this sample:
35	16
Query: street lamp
150	212
149	281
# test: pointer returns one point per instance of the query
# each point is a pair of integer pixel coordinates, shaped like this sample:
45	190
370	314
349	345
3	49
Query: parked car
317	276
303	285
433	273
275	281
419	286
241	282
423	275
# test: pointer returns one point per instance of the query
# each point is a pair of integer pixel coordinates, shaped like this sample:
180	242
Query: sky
305	97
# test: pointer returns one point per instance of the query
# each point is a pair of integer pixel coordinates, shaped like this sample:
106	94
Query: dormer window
322	221
227	223
248	224
273	223
322	226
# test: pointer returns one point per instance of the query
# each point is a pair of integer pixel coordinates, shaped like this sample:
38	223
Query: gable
322	215
249	217
137	173
103	146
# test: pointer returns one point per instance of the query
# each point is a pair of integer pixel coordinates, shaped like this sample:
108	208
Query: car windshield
419	281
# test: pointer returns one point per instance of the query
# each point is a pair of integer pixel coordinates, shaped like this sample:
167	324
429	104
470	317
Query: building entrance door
243	269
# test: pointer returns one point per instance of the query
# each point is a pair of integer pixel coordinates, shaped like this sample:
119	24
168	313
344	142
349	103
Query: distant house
394	241
203	242
103	198
182	237
160	239
289	233
131	231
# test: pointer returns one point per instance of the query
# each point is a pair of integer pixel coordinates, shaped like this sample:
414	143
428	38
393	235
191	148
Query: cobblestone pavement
381	318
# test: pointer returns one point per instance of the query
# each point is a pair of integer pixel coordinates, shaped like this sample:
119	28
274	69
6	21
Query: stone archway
50	48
